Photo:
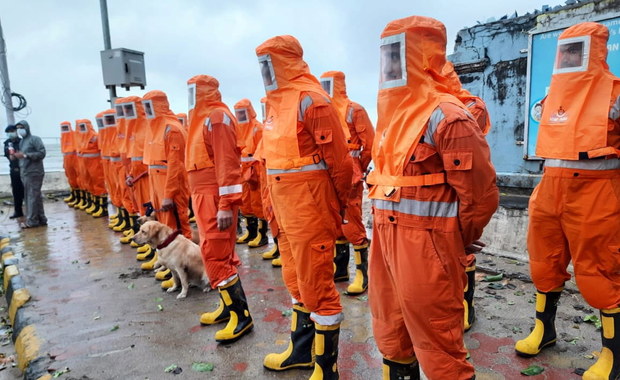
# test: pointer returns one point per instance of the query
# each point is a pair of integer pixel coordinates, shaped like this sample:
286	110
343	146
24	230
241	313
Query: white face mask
22	132
11	135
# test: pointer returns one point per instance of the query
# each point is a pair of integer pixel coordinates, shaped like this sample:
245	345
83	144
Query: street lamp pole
107	41
6	84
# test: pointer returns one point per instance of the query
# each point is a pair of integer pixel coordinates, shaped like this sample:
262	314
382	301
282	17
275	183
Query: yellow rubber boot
192	219
250	232
543	334
168	283
146	255
149	265
240	322
401	369
300	351
360	282
341	261
87	202
126	239
83	201
607	367
93	206
326	350
102	207
143	248
261	238
274	252
219	315
163	275
70	198
468	298
114	219
277	262
123	221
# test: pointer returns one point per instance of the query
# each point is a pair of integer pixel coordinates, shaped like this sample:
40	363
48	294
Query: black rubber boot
341	261
300	351
360	282
468	297
543	334
401	370
261	238
326	349
608	364
240	322
251	232
274	252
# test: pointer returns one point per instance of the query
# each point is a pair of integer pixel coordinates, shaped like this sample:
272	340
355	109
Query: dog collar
169	239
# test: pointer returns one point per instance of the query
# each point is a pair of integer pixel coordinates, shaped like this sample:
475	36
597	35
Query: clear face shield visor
64	128
119	111
129	110
328	86
393	62
242	115
191	96
572	55
182	121
99	123
267	72
109	120
148	109
82	127
263	110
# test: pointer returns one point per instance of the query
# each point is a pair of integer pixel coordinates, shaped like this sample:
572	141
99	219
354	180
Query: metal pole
6	84
107	41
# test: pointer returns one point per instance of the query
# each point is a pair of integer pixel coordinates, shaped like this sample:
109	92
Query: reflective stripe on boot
326	351
468	298
543	334
360	282
220	314
401	369
300	351
341	261
240	322
261	236
274	252
607	367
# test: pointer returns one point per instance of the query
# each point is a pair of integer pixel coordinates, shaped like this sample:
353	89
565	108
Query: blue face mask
11	135
22	132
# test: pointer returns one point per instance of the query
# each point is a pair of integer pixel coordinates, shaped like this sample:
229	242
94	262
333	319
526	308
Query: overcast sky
53	45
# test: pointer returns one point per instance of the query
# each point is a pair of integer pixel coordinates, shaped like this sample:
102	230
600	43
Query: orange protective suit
434	191
249	134
164	151
69	155
360	132
309	175
107	136
474	104
214	170
137	124
122	165
88	151
575	210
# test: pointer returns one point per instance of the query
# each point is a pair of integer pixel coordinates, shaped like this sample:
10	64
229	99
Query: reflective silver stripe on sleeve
208	124
247	159
327	320
232	189
468	105
350	115
168	128
303	106
115	158
68	153
158	166
436	117
355	153
91	155
136	158
226	120
614	112
584	164
419	208
105	157
306	168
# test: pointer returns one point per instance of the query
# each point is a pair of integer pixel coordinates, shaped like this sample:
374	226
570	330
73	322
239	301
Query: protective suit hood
26	126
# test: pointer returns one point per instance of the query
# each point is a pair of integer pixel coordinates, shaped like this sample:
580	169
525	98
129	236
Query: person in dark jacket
11	145
31	154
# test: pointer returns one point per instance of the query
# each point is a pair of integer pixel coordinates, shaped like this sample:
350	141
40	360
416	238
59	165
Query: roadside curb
27	343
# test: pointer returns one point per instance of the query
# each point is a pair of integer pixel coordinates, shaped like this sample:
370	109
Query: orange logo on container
560	116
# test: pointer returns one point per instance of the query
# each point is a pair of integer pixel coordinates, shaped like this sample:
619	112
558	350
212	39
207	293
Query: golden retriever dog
181	256
143	219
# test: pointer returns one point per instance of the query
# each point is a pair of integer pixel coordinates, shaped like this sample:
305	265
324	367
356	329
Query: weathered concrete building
495	61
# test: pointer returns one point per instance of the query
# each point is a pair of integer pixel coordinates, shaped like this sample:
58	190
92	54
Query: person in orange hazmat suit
69	161
433	191
309	180
575	209
88	151
249	133
106	144
214	170
360	134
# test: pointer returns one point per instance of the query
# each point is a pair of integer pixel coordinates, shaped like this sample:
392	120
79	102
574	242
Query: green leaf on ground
74	262
363	298
495	285
202	367
532	370
171	368
287	312
60	372
497	277
511	302
593	319
158	299
160	308
574	340
114	328
516	330
131	286
519	293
